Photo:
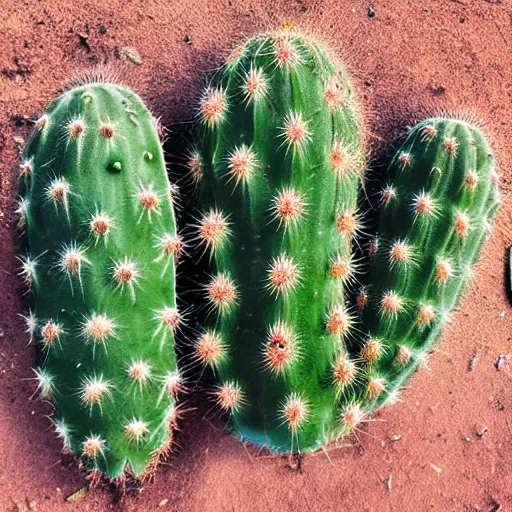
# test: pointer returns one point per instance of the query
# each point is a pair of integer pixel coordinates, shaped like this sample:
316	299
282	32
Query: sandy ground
447	446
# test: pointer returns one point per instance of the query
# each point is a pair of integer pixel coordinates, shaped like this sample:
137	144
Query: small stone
163	502
395	438
371	12
103	29
132	55
187	39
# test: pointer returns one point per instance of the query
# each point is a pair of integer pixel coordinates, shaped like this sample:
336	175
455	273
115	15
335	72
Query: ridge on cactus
102	246
436	213
279	161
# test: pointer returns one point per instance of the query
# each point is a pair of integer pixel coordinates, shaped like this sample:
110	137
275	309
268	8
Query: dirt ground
447	446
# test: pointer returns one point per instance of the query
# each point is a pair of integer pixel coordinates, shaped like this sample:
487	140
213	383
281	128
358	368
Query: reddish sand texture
447	446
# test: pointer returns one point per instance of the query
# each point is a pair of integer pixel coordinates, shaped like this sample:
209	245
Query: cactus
278	162
436	213
101	266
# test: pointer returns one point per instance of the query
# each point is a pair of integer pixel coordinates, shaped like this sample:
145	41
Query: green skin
443	176
104	174
256	238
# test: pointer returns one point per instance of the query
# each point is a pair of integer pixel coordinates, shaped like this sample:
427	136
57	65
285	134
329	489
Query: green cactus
101	266
279	161
436	214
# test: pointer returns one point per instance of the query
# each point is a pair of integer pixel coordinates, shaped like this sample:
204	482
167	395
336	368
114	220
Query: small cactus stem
283	164
100	229
440	223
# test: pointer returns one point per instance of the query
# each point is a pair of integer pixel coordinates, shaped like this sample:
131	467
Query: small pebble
371	12
163	502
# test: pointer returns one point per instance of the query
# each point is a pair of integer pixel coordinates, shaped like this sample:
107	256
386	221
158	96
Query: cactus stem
136	429
283	275
93	446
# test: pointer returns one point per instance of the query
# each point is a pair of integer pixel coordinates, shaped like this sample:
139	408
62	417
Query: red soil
412	58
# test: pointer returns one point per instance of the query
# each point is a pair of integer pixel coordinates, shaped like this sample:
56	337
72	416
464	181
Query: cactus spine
436	213
279	162
102	247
